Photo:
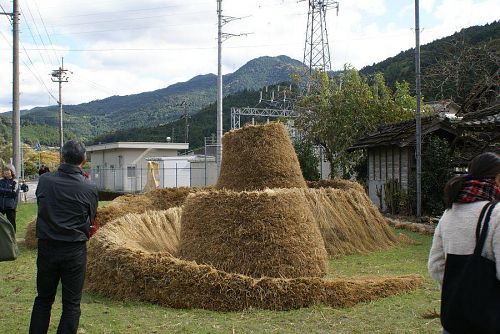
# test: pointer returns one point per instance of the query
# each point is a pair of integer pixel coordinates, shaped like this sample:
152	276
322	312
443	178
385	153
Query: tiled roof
402	134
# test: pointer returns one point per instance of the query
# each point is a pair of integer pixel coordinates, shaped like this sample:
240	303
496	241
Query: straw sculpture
348	221
134	258
262	233
158	199
259	157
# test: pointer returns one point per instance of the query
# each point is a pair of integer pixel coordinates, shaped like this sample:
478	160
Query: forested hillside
88	120
450	66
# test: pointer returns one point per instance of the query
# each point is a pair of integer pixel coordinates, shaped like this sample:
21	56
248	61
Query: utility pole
218	154
60	75
418	131
16	115
221	37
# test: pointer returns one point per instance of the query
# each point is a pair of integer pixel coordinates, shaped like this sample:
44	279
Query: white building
122	166
186	171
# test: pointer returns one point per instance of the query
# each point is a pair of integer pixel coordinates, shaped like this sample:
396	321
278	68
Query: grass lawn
397	314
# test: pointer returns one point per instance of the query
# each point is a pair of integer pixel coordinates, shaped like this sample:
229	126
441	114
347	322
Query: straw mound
132	271
153	231
265	233
348	221
414	227
336	184
158	199
30	239
259	157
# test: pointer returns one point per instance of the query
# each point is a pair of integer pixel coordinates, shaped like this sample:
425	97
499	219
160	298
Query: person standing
9	193
67	203
465	196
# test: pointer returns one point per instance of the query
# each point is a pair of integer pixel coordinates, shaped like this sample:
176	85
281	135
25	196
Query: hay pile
132	270
259	157
30	239
262	233
414	227
348	221
158	199
336	184
251	246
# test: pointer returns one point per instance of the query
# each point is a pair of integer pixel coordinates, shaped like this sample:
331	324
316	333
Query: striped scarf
475	190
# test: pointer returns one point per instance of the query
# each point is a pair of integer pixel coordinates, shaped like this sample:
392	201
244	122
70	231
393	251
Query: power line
128	29
35	75
34	40
37	31
46	32
6	14
134	10
129	19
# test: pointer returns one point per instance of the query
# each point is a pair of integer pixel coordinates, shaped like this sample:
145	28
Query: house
186	171
122	166
391	152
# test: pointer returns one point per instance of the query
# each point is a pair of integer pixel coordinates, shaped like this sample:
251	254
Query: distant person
24	188
43	169
9	193
465	197
67	203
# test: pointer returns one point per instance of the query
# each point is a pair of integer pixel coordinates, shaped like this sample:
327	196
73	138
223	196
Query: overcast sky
119	47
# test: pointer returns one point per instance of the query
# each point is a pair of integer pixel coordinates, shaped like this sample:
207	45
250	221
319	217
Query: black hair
483	166
73	152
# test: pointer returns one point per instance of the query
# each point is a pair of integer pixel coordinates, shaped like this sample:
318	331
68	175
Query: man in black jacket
67	203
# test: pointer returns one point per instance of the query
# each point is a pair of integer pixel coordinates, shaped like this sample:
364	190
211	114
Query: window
131	171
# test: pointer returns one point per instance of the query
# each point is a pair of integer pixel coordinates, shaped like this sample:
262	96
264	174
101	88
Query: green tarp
8	245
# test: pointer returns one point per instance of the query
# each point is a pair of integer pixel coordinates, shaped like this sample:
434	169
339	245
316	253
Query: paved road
30	195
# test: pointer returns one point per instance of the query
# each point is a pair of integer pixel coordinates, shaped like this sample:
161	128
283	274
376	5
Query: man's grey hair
73	152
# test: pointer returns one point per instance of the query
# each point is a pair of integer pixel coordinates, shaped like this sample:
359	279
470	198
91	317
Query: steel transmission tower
316	49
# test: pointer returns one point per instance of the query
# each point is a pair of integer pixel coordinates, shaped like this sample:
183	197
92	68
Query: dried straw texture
30	239
259	157
336	184
348	221
262	233
158	199
123	268
414	227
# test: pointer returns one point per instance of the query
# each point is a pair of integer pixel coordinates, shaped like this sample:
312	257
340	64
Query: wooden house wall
385	163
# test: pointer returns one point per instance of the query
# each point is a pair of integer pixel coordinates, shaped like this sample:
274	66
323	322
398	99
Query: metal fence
134	179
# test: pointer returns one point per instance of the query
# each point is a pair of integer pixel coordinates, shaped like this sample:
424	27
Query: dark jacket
9	192
67	202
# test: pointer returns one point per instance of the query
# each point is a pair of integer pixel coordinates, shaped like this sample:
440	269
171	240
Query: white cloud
149	45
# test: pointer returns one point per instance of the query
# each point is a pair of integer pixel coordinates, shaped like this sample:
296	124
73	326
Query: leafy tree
309	162
437	169
343	109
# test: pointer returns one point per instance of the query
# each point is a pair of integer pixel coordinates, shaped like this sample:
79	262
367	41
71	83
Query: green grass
397	314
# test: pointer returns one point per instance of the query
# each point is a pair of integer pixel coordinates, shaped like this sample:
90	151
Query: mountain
397	68
201	125
88	120
464	52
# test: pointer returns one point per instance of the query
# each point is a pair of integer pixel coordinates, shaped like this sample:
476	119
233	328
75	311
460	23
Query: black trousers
11	216
65	262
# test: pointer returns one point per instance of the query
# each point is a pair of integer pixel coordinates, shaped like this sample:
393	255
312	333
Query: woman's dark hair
484	166
73	152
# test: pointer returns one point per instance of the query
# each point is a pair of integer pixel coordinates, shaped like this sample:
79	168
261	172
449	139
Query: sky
121	47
